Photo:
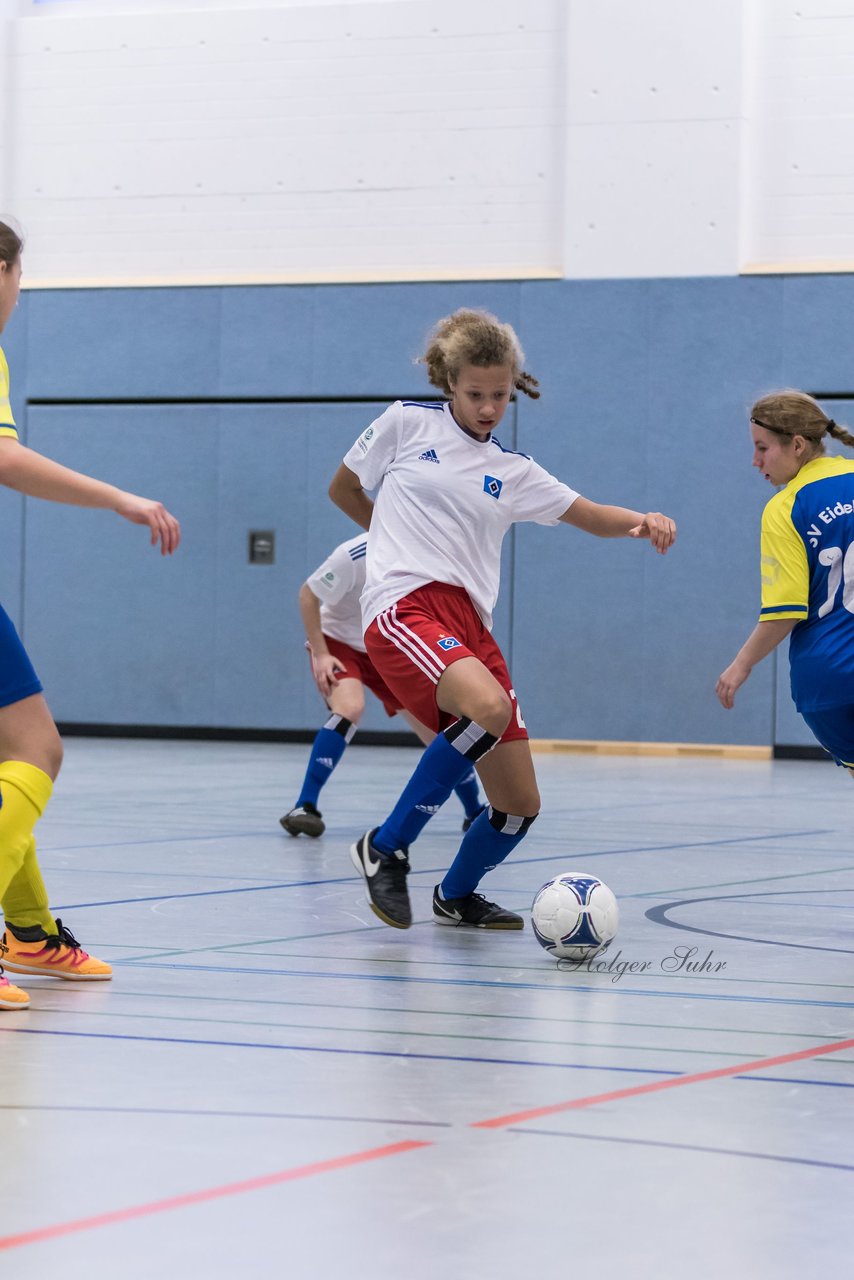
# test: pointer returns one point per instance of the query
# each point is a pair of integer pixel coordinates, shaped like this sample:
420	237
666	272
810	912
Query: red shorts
414	641
360	667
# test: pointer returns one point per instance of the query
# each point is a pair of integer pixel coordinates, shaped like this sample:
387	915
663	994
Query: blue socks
332	740
327	749
468	791
443	765
488	841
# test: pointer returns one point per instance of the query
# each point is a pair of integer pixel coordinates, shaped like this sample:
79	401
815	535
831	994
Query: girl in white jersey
30	748
332	619
448	492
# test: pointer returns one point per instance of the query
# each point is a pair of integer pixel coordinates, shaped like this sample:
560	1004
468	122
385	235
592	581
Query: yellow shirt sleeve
784	567
7	422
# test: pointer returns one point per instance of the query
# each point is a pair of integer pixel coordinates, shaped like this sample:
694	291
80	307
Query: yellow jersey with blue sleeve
7	422
18	680
808	575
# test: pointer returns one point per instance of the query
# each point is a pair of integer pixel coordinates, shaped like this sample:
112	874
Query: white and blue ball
575	916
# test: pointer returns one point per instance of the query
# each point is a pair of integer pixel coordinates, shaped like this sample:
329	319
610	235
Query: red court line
399	1148
672	1082
202	1197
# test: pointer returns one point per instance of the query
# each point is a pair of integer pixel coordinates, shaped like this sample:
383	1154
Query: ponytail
840	433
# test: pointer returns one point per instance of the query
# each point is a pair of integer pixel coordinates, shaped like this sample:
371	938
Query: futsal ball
575	916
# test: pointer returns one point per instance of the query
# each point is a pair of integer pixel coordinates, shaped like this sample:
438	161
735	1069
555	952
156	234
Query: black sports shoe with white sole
385	881
474	912
305	820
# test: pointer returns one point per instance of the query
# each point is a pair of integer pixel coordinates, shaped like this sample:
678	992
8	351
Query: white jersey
445	502
338	584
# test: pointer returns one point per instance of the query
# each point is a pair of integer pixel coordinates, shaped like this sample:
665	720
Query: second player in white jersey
338	584
342	670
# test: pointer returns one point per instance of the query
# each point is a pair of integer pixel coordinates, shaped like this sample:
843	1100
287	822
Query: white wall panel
8	10
371	141
667	204
169	6
653	138
169	141
800	197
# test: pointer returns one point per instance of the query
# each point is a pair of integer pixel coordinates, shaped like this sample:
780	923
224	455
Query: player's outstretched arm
323	665
165	529
31	473
762	640
619	522
347	493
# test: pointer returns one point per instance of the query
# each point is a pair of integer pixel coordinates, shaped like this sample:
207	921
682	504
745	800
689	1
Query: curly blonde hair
470	337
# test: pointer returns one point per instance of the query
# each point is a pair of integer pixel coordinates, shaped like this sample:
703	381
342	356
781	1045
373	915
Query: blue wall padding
646	386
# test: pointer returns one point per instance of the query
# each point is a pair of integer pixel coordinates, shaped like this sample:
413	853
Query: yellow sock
25	902
24	792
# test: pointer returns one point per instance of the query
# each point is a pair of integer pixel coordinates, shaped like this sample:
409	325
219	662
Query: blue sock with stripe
443	764
468	792
488	841
328	747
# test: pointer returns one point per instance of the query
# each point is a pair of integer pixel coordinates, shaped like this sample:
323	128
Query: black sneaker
305	820
385	880
474	912
467	822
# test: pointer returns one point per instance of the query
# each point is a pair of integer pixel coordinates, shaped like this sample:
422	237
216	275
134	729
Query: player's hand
326	668
660	530
165	529
729	682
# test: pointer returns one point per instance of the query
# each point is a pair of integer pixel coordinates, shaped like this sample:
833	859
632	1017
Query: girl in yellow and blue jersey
807	565
30	748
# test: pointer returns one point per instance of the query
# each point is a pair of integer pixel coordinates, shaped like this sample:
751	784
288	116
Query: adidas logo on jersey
429	455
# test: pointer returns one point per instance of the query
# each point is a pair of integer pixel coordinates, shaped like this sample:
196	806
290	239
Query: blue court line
736	884
432	871
659	915
826	1084
687	844
205	893
531	1041
156	956
174	996
795	906
129	844
194	875
227	1115
371	1053
609	988
352	1053
687	1146
247	948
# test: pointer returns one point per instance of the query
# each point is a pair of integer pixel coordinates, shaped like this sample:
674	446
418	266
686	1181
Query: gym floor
276	1082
